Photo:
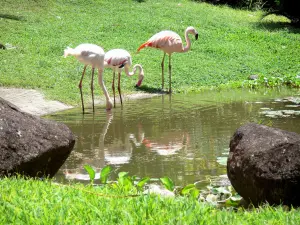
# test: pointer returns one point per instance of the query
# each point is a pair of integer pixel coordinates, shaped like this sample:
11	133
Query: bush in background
287	8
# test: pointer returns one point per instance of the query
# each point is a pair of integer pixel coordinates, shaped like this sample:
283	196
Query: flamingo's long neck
188	42
105	92
133	70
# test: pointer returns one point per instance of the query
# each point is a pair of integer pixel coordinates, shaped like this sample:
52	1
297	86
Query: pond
184	137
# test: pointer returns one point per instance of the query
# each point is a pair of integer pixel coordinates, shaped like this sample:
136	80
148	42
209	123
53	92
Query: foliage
29	201
168	183
288	8
124	183
232	45
90	171
127	184
105	172
273	81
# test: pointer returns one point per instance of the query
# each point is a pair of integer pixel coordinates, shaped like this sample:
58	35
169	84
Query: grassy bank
232	45
37	202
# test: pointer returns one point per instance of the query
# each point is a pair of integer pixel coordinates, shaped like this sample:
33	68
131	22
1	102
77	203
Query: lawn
44	202
232	44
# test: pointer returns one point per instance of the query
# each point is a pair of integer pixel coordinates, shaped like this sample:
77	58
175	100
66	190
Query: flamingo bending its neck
117	59
90	54
169	42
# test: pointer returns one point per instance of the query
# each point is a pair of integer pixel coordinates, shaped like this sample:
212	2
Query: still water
180	136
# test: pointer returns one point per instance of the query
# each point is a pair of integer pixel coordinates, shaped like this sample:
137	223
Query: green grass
232	44
43	202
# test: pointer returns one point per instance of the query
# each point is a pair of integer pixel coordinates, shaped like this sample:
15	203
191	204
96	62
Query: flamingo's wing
162	40
117	58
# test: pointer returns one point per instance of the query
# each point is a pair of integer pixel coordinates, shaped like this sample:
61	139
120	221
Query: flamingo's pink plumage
117	59
169	42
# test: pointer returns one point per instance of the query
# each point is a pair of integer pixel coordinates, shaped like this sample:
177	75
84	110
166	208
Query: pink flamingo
90	54
117	59
169	42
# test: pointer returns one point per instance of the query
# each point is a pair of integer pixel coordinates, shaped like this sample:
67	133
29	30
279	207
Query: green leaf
195	192
122	174
230	202
168	183
187	189
90	171
105	172
123	179
142	182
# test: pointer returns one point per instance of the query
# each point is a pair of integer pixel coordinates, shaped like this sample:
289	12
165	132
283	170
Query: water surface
180	136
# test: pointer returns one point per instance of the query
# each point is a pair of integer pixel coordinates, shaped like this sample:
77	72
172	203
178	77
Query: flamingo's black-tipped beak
196	36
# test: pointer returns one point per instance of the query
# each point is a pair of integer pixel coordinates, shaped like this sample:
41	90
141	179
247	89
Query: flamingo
169	42
90	54
117	59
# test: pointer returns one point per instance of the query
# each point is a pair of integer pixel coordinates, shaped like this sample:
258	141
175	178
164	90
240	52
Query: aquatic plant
131	186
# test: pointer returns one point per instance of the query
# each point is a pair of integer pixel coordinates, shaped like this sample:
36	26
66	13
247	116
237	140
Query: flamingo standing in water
169	42
90	54
117	59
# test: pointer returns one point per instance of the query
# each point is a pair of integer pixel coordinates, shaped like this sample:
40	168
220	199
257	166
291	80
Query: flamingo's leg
113	88
162	71
92	88
119	87
80	87
170	74
105	92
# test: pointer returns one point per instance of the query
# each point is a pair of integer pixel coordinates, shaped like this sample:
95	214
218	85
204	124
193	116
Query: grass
44	202
232	45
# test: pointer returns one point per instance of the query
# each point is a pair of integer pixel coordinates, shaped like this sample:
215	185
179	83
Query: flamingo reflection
169	143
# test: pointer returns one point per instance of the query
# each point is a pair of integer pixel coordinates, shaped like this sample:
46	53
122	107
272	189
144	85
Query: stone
30	145
264	165
253	77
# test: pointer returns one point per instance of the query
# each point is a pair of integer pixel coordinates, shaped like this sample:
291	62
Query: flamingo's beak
139	83
196	36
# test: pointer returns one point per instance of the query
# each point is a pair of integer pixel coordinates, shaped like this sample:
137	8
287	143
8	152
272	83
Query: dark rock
30	145
264	165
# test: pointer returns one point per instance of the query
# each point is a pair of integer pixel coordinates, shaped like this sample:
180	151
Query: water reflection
169	143
180	137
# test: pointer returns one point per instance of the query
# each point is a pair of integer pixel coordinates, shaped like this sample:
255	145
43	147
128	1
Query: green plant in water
214	195
168	183
124	182
91	172
140	185
105	173
190	190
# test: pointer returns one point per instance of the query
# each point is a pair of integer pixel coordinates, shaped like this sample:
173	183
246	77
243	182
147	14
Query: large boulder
264	165
30	145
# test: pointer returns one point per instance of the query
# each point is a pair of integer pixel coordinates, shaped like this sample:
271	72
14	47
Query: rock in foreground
264	165
30	145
